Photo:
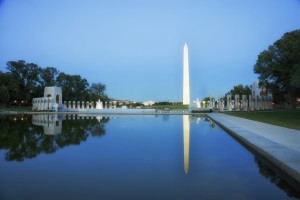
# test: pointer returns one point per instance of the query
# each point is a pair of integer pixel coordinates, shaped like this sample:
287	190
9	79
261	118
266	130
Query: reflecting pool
129	157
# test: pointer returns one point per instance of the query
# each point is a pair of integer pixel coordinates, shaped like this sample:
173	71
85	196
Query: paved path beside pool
277	144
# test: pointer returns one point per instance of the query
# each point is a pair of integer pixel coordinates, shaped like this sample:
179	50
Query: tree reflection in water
275	178
23	140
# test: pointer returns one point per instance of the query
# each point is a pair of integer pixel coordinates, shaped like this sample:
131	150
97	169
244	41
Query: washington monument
186	76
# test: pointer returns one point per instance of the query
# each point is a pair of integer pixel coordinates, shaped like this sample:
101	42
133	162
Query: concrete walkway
279	145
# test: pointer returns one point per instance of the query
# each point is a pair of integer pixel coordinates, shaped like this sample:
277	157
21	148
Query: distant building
52	100
148	103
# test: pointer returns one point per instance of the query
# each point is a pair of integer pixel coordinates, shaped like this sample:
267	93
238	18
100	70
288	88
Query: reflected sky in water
128	157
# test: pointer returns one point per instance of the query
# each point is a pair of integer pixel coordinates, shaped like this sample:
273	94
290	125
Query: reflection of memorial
46	134
52	124
186	142
187	120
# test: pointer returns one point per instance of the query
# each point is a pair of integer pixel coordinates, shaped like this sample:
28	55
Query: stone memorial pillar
271	101
74	104
266	103
221	105
235	101
88	105
229	102
245	102
256	102
211	103
78	104
82	105
250	107
65	104
47	103
259	103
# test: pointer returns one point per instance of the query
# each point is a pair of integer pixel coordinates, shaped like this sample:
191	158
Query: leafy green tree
4	94
8	87
48	76
27	80
163	103
26	75
240	90
206	99
74	88
279	68
97	91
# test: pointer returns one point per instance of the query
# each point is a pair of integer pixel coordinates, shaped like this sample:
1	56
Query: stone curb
286	159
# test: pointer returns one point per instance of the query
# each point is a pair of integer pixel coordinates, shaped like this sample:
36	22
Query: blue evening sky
135	47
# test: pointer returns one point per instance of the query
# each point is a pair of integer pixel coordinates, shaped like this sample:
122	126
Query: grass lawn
285	118
175	106
16	109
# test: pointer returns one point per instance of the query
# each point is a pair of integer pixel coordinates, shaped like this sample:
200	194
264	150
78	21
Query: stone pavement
279	145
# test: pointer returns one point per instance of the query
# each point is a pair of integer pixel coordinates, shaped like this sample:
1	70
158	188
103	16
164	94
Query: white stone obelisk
186	76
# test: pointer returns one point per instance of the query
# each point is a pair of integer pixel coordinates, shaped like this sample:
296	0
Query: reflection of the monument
187	120
52	123
186	142
27	136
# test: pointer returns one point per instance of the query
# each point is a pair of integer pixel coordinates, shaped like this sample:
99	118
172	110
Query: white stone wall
52	100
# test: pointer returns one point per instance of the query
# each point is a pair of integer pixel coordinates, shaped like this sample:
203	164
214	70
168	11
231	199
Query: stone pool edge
285	159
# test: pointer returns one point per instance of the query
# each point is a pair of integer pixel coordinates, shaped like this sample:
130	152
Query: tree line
25	81
278	68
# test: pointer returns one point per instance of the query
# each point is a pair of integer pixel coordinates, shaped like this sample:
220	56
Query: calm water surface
129	157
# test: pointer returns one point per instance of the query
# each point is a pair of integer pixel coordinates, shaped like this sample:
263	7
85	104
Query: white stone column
256	104
245	102
228	102
270	101
236	102
250	107
92	105
46	103
259	102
